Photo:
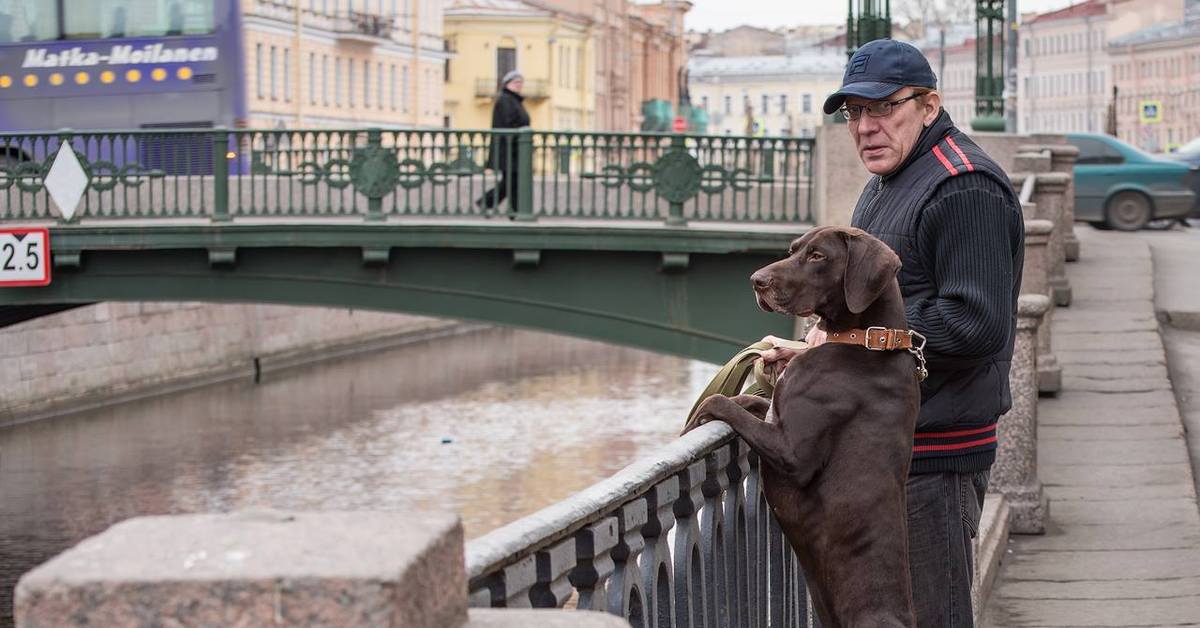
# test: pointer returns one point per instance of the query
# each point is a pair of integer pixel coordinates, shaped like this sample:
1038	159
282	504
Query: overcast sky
722	14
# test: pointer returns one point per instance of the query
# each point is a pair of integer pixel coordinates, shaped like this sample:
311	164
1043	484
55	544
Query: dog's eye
816	256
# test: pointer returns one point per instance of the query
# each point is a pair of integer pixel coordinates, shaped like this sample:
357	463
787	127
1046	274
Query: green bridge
637	239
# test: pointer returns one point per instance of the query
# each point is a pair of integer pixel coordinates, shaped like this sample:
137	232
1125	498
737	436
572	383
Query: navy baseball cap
879	69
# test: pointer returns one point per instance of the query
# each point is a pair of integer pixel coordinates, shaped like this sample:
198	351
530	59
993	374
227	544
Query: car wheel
1127	211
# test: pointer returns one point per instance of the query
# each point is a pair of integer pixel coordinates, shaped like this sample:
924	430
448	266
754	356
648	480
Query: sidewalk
1122	546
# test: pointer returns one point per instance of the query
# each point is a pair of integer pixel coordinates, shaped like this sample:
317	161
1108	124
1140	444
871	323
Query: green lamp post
989	65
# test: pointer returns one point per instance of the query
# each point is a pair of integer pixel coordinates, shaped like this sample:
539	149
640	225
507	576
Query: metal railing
681	539
379	174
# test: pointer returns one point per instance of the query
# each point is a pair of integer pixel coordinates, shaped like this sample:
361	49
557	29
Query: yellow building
554	50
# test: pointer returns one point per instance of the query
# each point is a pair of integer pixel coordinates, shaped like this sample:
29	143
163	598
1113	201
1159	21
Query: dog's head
829	271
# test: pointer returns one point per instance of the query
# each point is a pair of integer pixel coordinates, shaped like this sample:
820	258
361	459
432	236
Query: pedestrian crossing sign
1150	111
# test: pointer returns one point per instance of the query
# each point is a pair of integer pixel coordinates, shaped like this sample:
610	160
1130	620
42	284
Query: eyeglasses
876	109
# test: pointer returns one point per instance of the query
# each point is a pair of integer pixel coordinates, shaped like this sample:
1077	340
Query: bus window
95	19
28	20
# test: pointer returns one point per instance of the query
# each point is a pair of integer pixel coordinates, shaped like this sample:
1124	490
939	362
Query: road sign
1150	111
679	125
24	257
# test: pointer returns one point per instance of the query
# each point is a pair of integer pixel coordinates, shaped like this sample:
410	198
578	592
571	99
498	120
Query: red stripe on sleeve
970	166
945	162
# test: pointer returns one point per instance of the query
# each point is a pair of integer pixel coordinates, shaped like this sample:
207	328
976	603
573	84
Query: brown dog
838	445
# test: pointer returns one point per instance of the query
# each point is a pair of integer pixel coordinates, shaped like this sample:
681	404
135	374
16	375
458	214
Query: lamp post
989	65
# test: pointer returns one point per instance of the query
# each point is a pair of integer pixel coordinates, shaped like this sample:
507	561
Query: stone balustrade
1014	473
1062	160
1048	197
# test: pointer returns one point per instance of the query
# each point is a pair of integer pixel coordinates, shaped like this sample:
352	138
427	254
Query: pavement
1122	546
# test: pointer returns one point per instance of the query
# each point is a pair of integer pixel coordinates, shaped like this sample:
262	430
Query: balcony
363	28
534	90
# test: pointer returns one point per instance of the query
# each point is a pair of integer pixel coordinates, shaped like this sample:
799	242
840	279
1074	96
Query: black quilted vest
960	403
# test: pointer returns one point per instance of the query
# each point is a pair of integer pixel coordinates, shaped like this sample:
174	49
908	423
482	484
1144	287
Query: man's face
884	143
516	85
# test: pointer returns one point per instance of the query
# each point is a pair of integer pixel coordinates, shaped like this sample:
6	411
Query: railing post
374	202
220	160
675	214
524	182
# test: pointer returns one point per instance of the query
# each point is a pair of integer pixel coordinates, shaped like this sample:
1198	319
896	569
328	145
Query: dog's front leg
766	439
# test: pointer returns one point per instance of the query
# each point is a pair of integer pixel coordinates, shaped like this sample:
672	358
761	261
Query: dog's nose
761	280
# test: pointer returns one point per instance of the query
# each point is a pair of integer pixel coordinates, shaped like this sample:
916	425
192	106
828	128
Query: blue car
1121	187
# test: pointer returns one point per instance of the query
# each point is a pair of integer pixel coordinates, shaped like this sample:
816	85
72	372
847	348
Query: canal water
493	423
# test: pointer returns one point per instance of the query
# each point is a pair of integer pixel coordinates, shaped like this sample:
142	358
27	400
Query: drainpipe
1091	114
297	109
415	77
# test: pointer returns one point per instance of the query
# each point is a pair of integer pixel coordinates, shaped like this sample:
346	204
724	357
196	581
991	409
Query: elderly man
951	214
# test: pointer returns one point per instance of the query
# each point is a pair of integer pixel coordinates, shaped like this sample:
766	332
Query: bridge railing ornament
682	539
378	174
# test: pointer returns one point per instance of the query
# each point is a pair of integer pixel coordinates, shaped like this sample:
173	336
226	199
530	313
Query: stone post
1062	159
1049	193
1035	280
1015	472
270	568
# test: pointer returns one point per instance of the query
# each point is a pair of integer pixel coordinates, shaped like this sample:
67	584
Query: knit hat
511	76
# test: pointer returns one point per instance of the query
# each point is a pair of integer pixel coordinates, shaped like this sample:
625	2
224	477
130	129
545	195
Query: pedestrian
950	213
507	113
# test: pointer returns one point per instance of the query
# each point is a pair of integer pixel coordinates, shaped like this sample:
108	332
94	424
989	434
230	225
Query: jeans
943	516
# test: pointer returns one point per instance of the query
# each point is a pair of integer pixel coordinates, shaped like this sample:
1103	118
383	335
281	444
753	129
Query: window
350	82
1096	152
379	86
404	90
325	80
806	103
338	75
312	78
783	103
580	68
704	103
367	84
258	72
287	75
729	104
506	61
38	20
765	103
392	84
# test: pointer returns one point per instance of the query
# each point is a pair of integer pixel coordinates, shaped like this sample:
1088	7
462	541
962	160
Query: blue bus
119	64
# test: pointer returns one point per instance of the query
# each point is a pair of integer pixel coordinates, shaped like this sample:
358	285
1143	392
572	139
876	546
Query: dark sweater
951	215
508	113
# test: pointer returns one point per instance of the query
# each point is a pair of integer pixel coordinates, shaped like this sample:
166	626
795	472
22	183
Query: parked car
1122	187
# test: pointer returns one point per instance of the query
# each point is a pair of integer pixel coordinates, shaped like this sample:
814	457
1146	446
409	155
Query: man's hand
776	360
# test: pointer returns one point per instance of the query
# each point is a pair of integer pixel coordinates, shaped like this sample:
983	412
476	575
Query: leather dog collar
875	338
884	339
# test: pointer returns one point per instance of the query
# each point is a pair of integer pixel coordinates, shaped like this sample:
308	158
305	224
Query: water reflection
494	424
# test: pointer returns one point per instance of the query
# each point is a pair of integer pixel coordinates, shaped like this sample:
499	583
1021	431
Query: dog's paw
704	413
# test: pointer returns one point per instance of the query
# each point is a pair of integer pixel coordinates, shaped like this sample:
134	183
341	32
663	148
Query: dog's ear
870	266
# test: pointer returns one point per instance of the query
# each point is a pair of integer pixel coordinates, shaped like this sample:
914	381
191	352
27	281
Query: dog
836	436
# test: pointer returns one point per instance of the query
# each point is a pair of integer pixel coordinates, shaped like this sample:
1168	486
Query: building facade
1066	73
344	63
953	62
553	49
782	94
1156	72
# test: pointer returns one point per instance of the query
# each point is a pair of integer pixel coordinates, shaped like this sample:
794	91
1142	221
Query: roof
1171	31
1078	10
493	8
813	63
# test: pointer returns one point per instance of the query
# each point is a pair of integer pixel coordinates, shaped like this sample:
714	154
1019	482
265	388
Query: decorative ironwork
677	176
103	175
375	171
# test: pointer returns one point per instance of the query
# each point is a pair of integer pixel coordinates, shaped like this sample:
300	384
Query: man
507	113
952	216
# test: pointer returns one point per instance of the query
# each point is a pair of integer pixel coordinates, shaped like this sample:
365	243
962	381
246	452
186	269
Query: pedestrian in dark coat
507	113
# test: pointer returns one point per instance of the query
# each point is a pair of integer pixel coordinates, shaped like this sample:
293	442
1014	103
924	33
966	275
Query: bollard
1014	473
1035	280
